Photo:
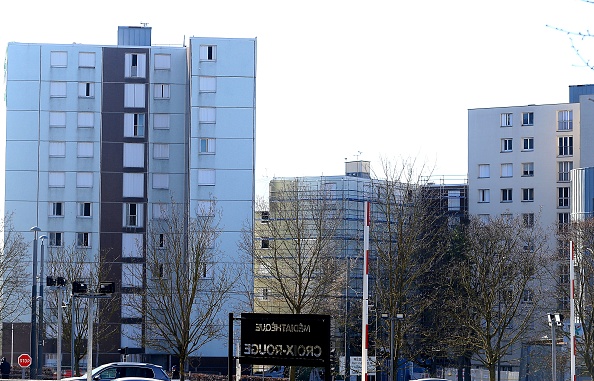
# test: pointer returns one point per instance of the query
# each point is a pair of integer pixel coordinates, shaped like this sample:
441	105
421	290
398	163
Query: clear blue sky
385	78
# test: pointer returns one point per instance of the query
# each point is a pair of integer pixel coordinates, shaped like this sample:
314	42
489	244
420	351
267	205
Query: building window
160	151
528	219
527	118
484	170
161	91
84	149
484	218
83	240
484	195
161	121
86	90
57	119
134	95
160	181
58	59
565	145
506	119
160	211
208	84
86	119
208	52
86	59
133	215
58	89
563	197
528	296
506	195
133	155
507	170
563	221
207	115
135	65
134	125
133	185
265	243
83	209
563	249
56	209
132	245
161	240
265	218
207	145
57	149
564	168
84	179
56	239
205	208
56	179
506	145
528	144
162	61
527	194
528	169
564	274
565	120
206	177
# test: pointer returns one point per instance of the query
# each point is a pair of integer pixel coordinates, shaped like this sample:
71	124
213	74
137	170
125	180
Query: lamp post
33	368
398	317
41	335
555	320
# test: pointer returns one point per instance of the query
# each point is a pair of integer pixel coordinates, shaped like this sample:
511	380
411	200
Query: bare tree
295	250
13	272
495	287
77	264
295	256
406	233
186	282
582	234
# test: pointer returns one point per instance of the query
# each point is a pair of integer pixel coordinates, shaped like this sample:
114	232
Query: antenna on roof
144	24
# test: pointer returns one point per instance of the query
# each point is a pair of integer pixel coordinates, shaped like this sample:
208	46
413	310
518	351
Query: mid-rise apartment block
100	140
520	160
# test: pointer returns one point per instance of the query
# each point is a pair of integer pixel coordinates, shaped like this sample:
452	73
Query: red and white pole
365	312
572	338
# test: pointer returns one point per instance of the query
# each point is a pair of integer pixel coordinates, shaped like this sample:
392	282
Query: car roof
133	363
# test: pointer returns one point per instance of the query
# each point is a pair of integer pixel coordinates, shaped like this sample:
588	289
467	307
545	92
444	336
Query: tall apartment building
102	139
519	163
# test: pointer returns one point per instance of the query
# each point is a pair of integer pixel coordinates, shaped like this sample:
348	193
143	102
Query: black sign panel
283	339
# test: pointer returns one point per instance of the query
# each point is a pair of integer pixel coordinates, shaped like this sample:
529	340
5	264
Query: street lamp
41	335
36	231
555	320
399	317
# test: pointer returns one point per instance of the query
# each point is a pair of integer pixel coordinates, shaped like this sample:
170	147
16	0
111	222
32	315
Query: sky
347	80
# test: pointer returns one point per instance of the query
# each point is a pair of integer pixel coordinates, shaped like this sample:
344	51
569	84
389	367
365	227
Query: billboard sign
285	339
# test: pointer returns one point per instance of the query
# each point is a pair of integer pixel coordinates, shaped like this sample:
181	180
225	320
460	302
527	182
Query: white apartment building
102	139
519	163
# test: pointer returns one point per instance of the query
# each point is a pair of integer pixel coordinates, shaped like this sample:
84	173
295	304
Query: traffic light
60	281
123	351
79	287
107	287
50	281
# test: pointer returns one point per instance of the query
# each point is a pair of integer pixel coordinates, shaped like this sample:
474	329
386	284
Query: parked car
66	373
120	370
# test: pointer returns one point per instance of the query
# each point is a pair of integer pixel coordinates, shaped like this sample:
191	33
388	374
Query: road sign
24	360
